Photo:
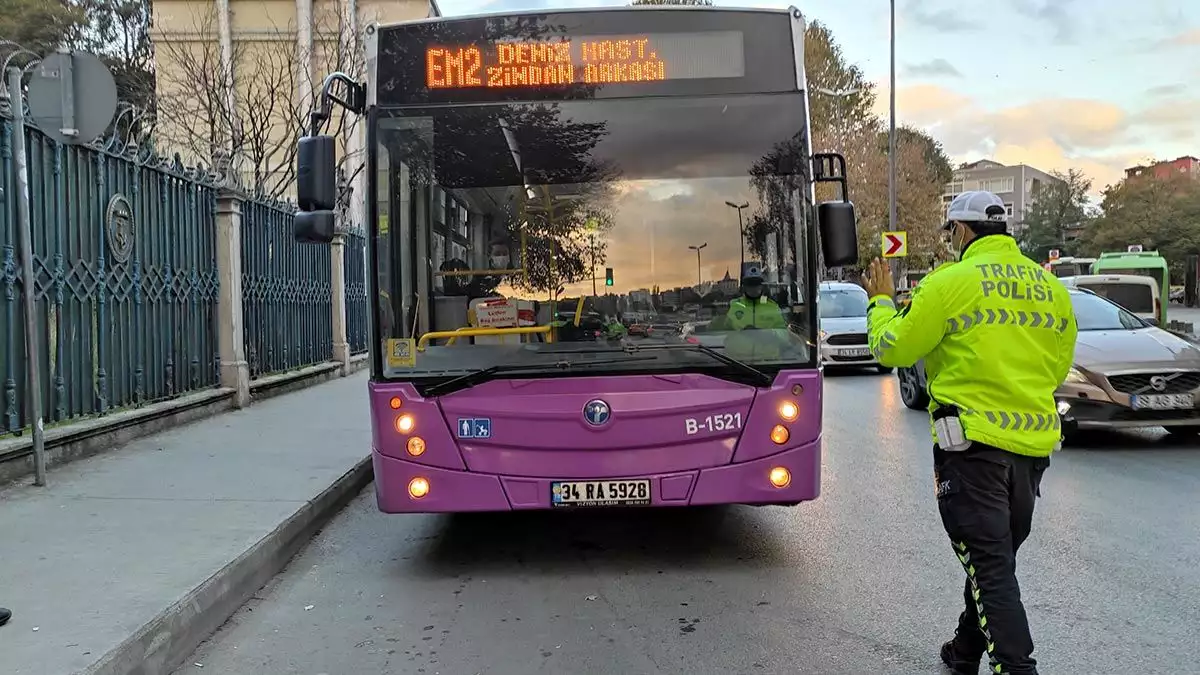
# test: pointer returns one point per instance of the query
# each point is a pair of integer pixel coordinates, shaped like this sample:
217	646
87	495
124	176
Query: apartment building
1016	185
1186	165
259	62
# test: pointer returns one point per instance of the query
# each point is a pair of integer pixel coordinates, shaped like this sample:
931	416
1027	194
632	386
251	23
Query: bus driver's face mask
752	290
500	262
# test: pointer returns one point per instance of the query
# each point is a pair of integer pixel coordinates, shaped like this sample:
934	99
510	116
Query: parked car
1127	374
843	326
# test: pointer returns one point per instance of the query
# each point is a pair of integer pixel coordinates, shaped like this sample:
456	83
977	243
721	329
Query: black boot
5	615
959	664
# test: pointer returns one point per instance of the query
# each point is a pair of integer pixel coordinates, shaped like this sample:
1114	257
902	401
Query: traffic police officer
752	309
760	330
997	334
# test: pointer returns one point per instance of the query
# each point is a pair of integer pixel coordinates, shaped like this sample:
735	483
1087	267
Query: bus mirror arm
316	163
836	222
354	101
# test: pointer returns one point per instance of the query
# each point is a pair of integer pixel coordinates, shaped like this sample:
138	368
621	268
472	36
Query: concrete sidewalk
129	559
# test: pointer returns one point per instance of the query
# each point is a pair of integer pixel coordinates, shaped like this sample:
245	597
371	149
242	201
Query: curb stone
162	644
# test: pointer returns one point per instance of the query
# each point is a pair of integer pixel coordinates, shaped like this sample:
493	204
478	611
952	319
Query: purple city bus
533	178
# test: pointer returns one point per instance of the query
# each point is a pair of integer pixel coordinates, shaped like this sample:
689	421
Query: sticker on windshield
401	353
474	427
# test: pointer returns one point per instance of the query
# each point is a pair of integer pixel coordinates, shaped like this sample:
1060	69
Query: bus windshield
506	215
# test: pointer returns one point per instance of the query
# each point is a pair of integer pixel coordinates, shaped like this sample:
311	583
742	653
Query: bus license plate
600	493
1163	401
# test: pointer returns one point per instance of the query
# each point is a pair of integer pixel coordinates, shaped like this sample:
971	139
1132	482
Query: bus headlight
780	477
404	423
789	411
418	487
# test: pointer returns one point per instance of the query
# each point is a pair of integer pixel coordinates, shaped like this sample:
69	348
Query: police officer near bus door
997	333
752	309
755	321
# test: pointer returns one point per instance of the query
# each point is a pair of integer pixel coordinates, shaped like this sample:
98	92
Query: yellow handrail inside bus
471	332
578	311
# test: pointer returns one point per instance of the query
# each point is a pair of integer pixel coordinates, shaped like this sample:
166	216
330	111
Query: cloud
1056	14
934	68
1097	137
1167	90
656	221
1188	38
938	18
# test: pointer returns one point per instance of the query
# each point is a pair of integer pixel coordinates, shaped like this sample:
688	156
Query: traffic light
608	276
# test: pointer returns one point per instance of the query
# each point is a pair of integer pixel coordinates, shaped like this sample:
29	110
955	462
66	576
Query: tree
249	113
841	101
118	31
1059	207
1161	214
40	26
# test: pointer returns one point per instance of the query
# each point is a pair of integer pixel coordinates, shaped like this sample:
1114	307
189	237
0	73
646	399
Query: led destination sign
609	59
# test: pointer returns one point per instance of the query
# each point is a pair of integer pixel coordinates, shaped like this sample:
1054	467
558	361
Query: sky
1056	84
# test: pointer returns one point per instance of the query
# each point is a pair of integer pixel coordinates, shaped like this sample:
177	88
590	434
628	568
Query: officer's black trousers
986	497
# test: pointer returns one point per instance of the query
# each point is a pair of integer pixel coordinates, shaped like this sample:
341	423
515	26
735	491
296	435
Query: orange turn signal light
416	446
395	403
418	487
779	434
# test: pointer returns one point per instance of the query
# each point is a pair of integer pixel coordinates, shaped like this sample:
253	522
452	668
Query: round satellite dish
78	83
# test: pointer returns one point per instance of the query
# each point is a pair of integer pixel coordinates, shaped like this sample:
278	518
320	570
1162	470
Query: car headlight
823	334
1074	375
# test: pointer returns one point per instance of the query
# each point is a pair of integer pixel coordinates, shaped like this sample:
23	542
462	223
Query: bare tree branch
257	133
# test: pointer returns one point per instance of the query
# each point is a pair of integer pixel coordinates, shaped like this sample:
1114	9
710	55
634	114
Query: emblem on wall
118	221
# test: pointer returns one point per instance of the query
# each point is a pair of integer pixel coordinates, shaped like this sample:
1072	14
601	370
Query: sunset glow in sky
1095	85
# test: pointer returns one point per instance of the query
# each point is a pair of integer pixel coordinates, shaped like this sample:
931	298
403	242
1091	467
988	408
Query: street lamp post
741	229
697	249
892	131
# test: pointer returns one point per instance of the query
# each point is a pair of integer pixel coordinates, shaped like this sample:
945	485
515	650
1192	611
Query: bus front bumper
407	487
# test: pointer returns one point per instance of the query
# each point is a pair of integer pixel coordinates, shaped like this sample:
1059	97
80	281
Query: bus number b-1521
713	423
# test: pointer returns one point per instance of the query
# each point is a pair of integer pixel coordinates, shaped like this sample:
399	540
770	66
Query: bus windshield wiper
741	366
485	374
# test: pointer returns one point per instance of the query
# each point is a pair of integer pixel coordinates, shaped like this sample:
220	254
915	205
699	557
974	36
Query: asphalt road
860	581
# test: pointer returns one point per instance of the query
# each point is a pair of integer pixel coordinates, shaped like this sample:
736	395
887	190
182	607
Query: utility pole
892	134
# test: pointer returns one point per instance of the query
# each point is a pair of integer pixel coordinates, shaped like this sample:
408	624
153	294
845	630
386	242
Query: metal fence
286	292
356	292
126	281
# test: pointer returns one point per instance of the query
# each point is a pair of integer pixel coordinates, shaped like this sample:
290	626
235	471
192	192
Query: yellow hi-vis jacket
997	333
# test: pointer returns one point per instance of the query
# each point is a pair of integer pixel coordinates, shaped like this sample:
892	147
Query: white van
1138	294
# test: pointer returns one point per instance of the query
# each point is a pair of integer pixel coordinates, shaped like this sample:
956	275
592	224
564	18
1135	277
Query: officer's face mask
958	239
753	291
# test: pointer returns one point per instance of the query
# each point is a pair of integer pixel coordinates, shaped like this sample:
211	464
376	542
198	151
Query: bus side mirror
839	233
316	190
314	227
